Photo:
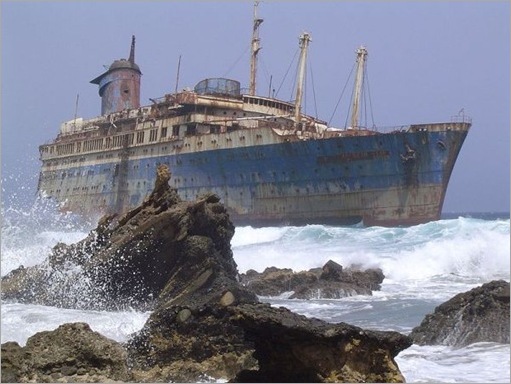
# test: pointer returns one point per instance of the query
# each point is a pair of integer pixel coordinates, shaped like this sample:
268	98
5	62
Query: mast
359	78
305	39
255	51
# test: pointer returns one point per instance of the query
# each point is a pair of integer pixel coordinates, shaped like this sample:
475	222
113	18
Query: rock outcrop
129	261
481	314
205	325
71	353
254	342
330	282
293	348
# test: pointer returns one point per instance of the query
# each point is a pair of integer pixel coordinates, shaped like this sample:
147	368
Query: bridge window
153	135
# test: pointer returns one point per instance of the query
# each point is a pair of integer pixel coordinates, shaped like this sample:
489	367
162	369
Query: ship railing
461	118
379	129
394	128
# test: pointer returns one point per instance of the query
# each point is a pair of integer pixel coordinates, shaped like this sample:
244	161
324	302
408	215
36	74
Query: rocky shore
174	257
332	281
481	314
207	324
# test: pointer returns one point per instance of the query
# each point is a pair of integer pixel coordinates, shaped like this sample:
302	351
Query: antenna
76	108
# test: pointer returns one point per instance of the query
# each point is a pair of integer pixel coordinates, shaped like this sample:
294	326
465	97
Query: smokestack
119	86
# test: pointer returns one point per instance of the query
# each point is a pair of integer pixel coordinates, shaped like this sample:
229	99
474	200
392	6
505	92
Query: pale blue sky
427	60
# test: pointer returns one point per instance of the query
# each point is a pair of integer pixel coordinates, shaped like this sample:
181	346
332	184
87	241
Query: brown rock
330	282
293	348
71	353
128	261
481	314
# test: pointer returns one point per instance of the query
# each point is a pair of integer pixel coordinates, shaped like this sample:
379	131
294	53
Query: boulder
293	348
254	342
72	353
481	314
330	282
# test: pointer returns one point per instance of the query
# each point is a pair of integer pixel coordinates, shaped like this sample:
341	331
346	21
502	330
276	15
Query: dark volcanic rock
330	282
481	314
223	333
293	348
129	261
254	342
71	353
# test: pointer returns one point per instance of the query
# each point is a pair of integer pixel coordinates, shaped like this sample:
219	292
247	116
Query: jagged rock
254	342
481	314
204	325
226	334
293	348
183	344
331	271
129	261
71	353
330	282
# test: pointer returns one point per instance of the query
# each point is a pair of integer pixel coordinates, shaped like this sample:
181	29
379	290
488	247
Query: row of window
95	188
268	103
124	140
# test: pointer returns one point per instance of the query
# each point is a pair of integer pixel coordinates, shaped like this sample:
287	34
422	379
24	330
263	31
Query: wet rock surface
254	342
479	315
126	262
205	325
293	348
330	282
71	353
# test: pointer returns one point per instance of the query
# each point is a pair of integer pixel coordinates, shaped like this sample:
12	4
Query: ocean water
424	265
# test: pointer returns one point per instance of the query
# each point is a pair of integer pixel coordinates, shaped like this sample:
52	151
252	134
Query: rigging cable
236	62
266	72
304	91
370	101
349	108
342	93
364	94
314	92
290	64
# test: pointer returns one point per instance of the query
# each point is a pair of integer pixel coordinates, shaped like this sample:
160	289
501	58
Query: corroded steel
119	86
264	178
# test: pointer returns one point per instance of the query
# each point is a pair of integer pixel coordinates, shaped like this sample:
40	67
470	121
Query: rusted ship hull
389	179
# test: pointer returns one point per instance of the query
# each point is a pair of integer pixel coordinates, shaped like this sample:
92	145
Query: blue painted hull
388	179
